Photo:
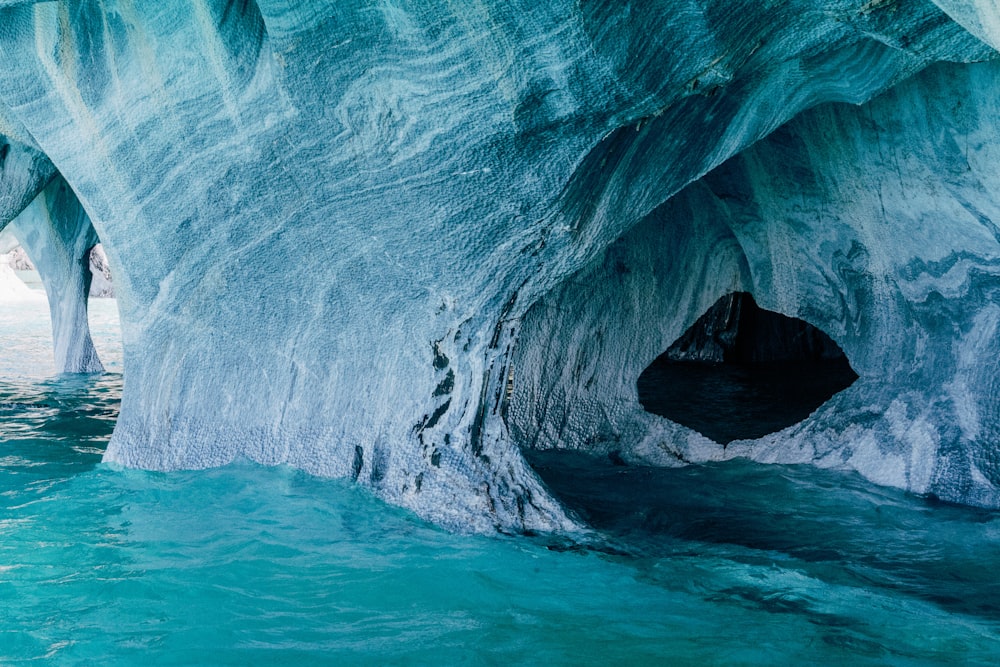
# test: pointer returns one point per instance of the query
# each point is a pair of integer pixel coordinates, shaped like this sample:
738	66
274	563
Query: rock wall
57	234
19	260
877	224
736	330
326	219
102	286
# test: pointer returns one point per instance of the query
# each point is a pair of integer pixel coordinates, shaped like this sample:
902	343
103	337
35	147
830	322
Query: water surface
246	565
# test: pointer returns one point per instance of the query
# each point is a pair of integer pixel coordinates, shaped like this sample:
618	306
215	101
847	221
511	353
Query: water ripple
733	563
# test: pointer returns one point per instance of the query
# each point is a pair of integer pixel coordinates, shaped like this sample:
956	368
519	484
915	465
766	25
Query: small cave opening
741	372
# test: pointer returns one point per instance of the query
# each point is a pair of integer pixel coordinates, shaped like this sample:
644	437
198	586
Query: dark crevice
359	461
741	372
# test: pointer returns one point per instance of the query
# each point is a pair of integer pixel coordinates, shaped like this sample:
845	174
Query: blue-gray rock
327	219
24	172
877	224
57	235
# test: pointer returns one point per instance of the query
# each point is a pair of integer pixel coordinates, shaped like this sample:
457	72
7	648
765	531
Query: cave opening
742	372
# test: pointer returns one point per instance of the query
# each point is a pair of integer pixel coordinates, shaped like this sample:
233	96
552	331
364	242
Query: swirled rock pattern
51	225
877	224
327	219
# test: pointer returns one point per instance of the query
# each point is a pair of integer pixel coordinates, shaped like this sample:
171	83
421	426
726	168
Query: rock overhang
307	204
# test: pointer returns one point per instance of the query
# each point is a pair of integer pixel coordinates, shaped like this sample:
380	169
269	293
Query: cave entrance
741	372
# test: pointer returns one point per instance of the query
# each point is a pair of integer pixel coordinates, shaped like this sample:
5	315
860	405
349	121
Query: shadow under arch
742	372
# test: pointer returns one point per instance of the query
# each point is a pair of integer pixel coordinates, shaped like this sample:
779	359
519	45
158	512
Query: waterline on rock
737	562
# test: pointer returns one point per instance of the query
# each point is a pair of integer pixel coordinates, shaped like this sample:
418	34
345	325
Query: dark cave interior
741	372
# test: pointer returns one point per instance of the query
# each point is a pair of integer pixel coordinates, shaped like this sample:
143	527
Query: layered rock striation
877	224
328	220
57	235
54	230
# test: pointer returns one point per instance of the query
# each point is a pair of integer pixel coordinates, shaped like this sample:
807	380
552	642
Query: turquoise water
245	565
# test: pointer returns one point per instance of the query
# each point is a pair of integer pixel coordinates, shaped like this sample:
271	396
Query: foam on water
736	563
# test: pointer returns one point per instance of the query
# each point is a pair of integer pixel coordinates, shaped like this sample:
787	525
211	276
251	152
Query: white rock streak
302	277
